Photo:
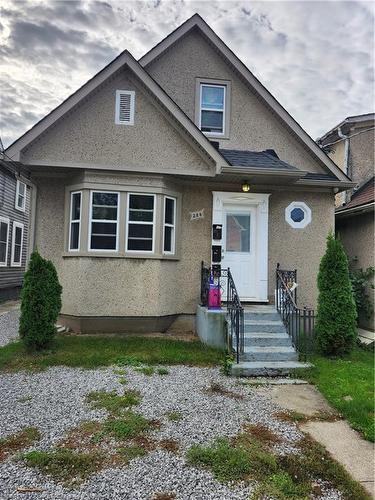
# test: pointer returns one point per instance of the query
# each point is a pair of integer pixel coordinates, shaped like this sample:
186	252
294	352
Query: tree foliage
40	303
362	281
336	316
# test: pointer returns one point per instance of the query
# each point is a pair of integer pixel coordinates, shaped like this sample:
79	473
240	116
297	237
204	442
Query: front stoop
268	350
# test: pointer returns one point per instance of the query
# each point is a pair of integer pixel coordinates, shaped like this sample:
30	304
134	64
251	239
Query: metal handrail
235	311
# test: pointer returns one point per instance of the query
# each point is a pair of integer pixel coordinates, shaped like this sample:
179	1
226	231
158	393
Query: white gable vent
125	100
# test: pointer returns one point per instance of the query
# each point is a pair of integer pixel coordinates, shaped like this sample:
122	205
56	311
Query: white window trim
12	262
165	224
91	220
288	215
16	206
215	134
6	221
132	107
147	252
71	220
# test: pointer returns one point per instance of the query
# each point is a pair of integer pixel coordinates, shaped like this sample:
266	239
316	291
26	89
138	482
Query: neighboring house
135	168
351	144
15	197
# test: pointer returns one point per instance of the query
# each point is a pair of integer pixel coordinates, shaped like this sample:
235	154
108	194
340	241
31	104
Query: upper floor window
20	196
104	212
212	109
4	235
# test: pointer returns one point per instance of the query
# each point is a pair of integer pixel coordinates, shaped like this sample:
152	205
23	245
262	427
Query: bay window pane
104	208
168	238
103	242
140	231
140	222
141	215
141	245
104	213
169	211
141	201
104	199
74	236
76	206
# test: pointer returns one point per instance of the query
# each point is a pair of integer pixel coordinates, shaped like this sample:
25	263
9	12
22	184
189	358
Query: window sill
118	255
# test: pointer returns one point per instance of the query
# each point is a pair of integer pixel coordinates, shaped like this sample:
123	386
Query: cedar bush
336	316
40	303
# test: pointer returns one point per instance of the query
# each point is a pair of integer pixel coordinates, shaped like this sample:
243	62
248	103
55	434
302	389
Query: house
136	168
351	145
15	204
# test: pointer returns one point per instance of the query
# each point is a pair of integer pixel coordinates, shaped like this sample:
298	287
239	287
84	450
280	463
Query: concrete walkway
9	305
344	444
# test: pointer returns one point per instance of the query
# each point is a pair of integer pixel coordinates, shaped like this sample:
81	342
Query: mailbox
216	270
217	230
216	253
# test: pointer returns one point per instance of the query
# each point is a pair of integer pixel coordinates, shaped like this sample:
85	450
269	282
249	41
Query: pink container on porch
214	296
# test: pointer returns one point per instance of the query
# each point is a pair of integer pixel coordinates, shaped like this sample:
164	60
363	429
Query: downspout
346	156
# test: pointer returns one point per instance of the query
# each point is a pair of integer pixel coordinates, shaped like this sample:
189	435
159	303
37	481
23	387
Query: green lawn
96	351
348	384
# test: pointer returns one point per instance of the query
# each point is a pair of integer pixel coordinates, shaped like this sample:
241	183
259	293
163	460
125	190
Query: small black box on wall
217	230
216	270
216	253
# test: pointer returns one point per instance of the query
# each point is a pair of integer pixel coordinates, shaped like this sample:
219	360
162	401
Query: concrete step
266	369
264	326
269	316
267	339
62	329
269	353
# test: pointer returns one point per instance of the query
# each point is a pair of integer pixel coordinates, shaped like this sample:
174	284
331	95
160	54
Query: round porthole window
298	214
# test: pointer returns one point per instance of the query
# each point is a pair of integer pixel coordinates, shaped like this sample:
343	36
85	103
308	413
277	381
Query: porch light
245	187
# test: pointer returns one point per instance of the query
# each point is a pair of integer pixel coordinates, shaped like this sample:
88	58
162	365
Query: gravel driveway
9	326
54	401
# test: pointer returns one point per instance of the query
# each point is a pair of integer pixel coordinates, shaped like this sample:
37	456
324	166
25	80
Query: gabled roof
345	126
125	59
196	22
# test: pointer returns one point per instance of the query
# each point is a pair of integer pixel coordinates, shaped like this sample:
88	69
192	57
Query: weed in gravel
119	371
146	370
123	381
16	442
111	401
24	399
262	433
65	465
164	495
129	425
128	453
167	495
174	416
162	371
216	388
281	487
296	417
170	445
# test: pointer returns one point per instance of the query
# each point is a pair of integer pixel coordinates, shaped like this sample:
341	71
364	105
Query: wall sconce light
245	187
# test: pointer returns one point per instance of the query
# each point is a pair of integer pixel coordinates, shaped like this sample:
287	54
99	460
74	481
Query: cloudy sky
315	57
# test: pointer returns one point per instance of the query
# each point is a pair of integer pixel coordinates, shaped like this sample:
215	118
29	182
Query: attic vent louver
125	100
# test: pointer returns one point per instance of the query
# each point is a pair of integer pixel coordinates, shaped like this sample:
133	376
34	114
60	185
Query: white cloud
315	57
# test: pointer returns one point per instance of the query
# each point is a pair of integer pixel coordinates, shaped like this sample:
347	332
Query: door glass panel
238	233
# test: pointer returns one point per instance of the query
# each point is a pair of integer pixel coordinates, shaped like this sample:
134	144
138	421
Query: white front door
243	241
239	247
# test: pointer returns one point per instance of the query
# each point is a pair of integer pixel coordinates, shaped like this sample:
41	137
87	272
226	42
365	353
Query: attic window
212	109
125	101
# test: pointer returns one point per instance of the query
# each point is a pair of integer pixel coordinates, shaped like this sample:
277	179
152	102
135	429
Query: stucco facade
163	155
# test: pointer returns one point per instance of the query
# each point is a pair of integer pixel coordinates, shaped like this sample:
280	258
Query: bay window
169	225
140	230
75	220
104	210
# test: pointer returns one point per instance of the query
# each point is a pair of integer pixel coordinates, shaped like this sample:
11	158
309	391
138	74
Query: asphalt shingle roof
364	195
255	159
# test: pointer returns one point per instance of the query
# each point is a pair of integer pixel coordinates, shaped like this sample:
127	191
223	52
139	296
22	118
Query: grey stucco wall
357	236
88	135
104	286
253	126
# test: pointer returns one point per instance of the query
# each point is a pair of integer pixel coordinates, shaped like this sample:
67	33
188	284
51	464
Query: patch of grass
123	381
291	416
65	465
246	457
119	371
146	370
25	399
175	416
128	453
95	351
216	388
162	371
18	441
164	495
353	376
111	401
128	426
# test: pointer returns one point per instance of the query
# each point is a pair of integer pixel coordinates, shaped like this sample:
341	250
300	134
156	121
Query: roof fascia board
262	171
326	182
116	168
368	207
196	20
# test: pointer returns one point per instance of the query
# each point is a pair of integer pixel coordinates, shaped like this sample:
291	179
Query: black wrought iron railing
299	323
235	311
